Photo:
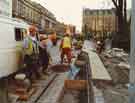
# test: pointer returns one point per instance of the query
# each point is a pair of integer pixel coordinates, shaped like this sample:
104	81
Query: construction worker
66	46
53	49
52	38
44	56
98	48
31	52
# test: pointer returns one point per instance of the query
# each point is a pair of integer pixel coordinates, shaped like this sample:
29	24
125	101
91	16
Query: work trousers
32	64
67	52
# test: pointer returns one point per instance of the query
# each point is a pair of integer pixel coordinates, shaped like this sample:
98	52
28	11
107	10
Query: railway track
38	100
88	78
42	86
54	91
50	90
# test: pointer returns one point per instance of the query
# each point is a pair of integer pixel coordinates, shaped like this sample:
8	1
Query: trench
80	96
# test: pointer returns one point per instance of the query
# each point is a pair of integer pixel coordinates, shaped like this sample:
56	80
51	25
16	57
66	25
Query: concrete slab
88	46
98	70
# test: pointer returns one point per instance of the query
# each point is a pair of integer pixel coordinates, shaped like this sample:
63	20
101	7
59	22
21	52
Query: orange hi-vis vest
66	42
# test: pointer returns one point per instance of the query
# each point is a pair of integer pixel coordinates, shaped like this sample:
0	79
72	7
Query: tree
121	12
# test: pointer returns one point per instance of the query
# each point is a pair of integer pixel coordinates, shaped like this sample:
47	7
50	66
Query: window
100	12
19	34
109	12
91	13
19	8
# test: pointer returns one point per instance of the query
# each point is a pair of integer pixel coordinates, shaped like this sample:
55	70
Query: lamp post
132	57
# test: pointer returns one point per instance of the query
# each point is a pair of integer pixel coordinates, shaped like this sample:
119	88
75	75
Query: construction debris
117	63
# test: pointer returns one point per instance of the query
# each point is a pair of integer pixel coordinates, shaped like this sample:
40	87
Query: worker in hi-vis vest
66	46
31	53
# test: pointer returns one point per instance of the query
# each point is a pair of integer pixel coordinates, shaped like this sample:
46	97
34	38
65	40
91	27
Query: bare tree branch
125	10
115	4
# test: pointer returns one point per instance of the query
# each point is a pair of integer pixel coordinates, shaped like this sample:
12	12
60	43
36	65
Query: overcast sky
70	11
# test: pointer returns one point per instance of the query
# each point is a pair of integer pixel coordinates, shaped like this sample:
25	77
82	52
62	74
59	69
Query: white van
12	33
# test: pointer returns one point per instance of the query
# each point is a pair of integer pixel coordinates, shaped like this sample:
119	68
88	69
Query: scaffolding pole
132	56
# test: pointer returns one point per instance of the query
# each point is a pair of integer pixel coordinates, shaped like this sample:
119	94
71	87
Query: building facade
71	29
62	28
99	23
33	13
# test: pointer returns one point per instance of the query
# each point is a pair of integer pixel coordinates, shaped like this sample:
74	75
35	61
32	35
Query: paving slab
98	69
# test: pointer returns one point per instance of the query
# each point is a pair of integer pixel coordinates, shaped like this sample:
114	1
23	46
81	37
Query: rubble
115	52
114	96
124	65
117	63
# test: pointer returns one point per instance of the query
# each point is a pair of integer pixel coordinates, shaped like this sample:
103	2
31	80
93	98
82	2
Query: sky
70	11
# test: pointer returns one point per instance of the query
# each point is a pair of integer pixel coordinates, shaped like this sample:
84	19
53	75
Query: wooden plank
98	70
75	84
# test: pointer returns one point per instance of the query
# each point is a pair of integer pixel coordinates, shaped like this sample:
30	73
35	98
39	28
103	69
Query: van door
19	37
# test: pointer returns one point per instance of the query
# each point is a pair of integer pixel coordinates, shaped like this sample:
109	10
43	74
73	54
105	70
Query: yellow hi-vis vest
29	50
66	42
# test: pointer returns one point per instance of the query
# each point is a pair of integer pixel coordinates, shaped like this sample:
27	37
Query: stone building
99	23
62	28
71	29
33	13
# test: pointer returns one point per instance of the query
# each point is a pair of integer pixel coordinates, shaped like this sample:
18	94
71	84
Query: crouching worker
31	53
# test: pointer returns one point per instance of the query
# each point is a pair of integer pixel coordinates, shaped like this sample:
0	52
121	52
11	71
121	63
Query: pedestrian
31	53
98	47
66	46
